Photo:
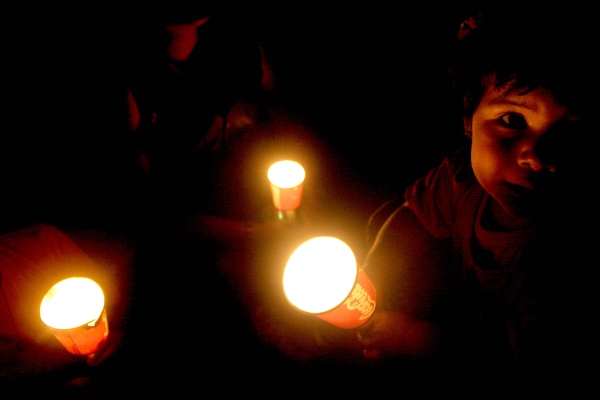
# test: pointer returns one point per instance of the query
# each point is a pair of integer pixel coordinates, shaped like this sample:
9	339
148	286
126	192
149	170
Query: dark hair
549	47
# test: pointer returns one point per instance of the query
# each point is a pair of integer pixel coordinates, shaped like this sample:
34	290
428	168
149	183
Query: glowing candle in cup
287	181
322	277
74	309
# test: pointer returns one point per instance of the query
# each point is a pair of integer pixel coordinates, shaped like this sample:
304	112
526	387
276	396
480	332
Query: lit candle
74	309
287	181
322	277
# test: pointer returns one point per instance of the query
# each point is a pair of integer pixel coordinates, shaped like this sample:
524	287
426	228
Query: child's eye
513	121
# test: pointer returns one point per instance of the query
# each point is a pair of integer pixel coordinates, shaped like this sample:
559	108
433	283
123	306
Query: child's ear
467	124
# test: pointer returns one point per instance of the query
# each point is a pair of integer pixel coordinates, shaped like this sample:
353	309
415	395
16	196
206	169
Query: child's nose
530	157
554	148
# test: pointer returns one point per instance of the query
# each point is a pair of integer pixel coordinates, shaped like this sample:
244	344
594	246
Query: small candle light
287	181
74	309
322	277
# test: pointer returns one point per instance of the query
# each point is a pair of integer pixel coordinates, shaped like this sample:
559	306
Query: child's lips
519	190
528	193
527	201
523	193
532	185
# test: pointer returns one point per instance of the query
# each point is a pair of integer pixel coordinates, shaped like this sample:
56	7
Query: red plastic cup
322	278
84	339
357	308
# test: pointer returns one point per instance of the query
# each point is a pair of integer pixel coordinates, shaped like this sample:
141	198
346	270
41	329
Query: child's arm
406	265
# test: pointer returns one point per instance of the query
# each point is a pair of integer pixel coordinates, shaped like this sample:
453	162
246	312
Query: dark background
370	80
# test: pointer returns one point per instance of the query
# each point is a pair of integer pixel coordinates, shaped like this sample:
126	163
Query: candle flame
71	303
320	274
286	174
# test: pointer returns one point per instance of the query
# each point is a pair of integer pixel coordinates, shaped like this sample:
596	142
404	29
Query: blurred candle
322	277
287	181
74	309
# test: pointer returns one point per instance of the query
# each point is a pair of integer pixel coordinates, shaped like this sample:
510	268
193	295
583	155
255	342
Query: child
481	263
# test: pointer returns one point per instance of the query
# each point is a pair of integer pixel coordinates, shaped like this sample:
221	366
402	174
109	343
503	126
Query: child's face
516	146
